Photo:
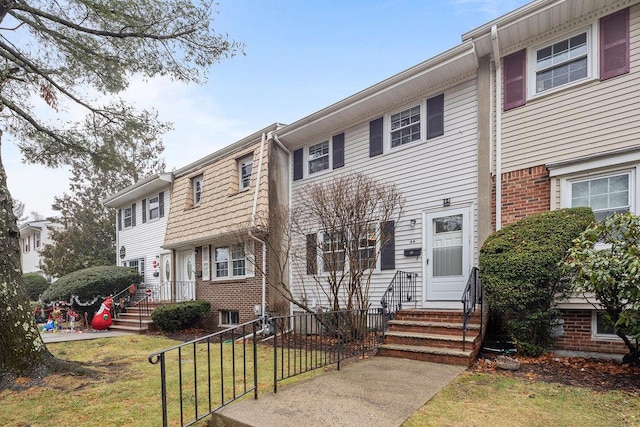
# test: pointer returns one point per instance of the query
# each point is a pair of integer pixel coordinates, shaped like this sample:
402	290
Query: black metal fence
308	341
200	376
203	375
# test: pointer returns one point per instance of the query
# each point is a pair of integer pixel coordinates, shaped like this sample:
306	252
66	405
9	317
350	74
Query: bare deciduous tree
331	241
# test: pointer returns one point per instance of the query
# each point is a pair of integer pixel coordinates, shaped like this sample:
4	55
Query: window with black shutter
376	137
388	252
312	253
298	164
338	150
435	116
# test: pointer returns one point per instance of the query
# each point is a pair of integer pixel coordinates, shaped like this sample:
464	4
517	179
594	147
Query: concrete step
428	354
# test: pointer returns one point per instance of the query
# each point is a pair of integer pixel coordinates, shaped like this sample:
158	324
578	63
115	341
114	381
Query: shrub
182	315
35	285
612	273
521	274
91	282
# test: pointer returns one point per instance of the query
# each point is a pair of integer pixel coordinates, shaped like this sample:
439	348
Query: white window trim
124	218
220	317
634	187
37	240
242	161
149	219
593	53
248	264
387	127
320	253
307	159
594	330
194	180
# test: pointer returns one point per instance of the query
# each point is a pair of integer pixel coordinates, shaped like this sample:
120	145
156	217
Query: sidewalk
62	336
381	391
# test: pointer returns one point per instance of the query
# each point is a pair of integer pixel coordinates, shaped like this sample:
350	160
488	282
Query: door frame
467	253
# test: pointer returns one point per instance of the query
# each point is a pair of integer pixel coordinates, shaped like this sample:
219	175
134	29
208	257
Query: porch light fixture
413	222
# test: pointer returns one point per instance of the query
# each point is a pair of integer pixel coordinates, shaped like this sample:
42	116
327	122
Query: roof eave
147	185
340	111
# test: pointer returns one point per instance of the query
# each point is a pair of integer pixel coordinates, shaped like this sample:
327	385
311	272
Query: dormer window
245	168
197	187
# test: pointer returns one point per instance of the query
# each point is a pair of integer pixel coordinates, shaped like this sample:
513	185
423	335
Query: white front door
185	276
166	278
447	237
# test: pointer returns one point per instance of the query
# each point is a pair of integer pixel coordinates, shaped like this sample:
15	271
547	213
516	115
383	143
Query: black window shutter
161	204
338	150
388	252
312	254
144	210
514	84
133	215
375	137
614	44
119	219
297	164
435	116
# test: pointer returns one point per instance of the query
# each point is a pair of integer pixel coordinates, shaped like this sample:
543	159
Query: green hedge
35	285
182	315
91	282
520	273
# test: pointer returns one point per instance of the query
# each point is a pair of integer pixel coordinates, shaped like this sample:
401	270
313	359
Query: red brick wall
524	192
239	295
577	335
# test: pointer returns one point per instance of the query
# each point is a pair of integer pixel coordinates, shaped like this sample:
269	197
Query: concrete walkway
380	391
62	336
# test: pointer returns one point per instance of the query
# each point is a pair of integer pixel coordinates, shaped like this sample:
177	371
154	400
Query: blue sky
301	56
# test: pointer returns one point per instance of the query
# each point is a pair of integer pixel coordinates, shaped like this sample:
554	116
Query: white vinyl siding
424	172
584	120
144	241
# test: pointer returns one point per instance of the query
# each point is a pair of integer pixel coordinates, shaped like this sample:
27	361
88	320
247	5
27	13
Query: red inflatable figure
102	320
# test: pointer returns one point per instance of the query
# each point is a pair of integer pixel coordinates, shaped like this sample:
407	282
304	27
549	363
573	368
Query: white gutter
290	180
253	223
498	66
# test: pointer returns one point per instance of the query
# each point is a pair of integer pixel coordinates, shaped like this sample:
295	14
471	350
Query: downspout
498	67
264	244
290	183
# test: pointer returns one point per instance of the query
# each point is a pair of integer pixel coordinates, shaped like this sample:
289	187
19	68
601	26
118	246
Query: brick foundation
239	295
578	336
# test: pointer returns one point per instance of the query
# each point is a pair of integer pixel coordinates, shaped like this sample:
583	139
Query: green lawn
126	389
481	399
126	392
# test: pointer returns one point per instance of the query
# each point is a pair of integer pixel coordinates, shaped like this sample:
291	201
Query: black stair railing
471	297
401	291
